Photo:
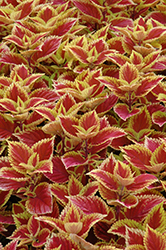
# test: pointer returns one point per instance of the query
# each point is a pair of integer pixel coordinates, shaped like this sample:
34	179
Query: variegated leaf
156	218
41	203
154	240
58	241
59	173
90	205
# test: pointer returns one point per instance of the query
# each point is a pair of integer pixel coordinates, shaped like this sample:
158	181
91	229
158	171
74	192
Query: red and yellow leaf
49	46
60	192
142	181
134	236
74	186
19	153
90	205
159	118
128	73
72	159
41	238
119	227
156	218
33	226
154	240
58	241
88	8
138	156
44	148
124	112
59	173
145	205
42	202
105	178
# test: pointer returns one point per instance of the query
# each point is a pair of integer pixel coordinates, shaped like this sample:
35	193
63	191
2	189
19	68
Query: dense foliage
82	124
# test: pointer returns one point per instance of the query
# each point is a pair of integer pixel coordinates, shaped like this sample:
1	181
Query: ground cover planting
82	125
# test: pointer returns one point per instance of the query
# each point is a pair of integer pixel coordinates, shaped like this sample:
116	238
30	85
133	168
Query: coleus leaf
135	121
158	158
6	218
119	227
60	192
69	220
122	109
6	185
153	239
45	93
72	220
90	189
13	58
5	195
106	135
68	124
123	173
147	84
31	136
6	128
72	159
128	74
83	243
25	159
63	27
41	238
45	17
7	105
90	204
105	178
22	233
24	38
79	53
138	155
108	164
159	118
128	202
44	148
152	143
107	104
5	81
15	90
23	9
90	122
33	226
41	203
74	186
100	230
88	8
49	46
20	73
134	236
60	240
117	58
11	245
142	181
86	127
145	204
156	218
21	218
59	173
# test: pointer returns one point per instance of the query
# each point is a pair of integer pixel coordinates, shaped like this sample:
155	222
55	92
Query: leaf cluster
82	125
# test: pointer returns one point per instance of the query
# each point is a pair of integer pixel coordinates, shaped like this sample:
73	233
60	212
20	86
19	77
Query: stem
117	212
130	102
86	156
86	149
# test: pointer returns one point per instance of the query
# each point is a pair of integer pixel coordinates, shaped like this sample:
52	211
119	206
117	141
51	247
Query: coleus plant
82	125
